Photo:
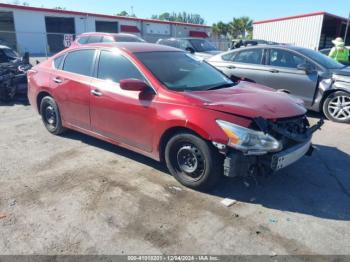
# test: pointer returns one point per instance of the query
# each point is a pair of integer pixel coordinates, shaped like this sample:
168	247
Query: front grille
290	131
291	128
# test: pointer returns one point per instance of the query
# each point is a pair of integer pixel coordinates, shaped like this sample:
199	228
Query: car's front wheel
50	116
193	161
336	107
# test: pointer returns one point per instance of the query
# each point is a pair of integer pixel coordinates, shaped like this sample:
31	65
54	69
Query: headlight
248	140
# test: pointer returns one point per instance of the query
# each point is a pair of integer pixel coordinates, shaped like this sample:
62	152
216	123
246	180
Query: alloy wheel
339	107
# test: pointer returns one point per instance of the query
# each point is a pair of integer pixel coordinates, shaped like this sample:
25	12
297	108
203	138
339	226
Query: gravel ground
77	195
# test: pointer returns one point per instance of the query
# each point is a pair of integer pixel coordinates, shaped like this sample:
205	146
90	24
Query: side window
251	56
58	61
107	39
284	58
116	67
183	44
169	43
94	39
229	56
83	40
79	62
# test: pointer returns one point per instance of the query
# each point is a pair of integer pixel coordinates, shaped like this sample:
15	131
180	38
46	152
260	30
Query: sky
211	10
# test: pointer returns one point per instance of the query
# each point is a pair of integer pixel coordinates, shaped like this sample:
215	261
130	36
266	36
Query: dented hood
250	100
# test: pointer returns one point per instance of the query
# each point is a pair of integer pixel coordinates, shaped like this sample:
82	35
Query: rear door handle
57	80
96	92
274	71
230	67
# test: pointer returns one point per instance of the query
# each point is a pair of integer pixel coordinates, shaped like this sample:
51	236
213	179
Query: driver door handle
274	71
96	92
231	67
57	80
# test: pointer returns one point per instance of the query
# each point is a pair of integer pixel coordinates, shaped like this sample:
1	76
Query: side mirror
190	49
133	85
306	67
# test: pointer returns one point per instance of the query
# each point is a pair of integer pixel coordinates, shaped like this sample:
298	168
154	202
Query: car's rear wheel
193	161
50	116
336	107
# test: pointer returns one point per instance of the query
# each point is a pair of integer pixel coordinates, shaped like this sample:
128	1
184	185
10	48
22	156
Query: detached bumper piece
289	156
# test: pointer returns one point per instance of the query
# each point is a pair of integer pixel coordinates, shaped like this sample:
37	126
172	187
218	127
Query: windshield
201	45
10	53
321	59
180	71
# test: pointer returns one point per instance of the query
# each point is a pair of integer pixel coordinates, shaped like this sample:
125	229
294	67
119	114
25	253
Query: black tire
50	116
193	162
336	107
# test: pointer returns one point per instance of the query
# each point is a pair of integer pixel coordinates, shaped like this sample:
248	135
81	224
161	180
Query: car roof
107	34
287	47
135	47
181	38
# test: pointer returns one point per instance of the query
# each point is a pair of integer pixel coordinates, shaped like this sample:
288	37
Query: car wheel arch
172	131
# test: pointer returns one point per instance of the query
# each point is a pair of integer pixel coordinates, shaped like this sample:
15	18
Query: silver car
199	47
322	83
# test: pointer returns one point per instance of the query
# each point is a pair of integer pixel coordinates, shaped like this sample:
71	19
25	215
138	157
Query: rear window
169	43
58	61
107	39
83	40
94	39
79	62
126	38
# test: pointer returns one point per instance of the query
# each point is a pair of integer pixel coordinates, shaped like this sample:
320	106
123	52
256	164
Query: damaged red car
168	105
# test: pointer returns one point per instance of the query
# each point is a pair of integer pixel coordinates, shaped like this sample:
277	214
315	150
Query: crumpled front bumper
289	156
239	164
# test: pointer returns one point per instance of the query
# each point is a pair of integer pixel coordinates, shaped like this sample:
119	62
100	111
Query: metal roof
59	11
298	16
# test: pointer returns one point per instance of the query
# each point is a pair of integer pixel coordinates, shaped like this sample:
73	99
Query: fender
341	86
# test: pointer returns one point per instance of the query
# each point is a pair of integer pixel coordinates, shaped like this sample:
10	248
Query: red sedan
166	104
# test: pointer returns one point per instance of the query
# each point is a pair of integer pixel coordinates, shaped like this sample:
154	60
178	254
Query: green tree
125	13
220	29
241	27
180	17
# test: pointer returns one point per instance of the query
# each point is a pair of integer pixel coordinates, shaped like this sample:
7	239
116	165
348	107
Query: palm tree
220	29
239	27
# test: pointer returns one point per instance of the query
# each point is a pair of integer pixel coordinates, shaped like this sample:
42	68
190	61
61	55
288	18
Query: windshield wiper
226	85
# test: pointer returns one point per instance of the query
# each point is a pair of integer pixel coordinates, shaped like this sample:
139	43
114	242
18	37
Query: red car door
72	87
124	116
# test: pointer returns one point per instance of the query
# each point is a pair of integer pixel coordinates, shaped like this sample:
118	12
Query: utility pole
347	28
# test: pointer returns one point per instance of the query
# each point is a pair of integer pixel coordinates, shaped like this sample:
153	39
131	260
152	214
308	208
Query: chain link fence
43	45
36	43
222	44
